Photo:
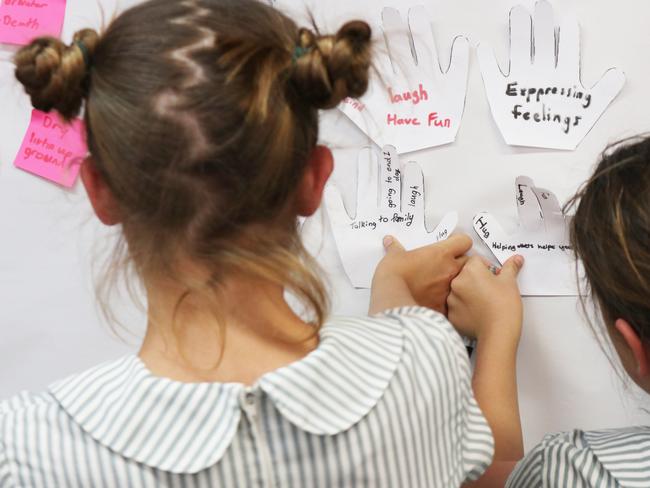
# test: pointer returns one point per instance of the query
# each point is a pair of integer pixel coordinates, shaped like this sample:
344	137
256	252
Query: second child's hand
470	344
422	276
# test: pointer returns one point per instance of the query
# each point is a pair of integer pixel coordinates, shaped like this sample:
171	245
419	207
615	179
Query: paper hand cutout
390	201
412	102
542	102
542	239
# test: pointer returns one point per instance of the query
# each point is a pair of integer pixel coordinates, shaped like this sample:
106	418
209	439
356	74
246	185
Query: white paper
541	101
390	201
412	102
542	239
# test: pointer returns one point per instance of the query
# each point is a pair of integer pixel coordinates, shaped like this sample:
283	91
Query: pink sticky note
22	20
53	149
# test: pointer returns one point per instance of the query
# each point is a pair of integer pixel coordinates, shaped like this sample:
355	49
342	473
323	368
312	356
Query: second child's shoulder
604	458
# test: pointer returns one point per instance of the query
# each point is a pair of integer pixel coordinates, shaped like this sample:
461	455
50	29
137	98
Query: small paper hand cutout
542	239
541	101
412	102
390	201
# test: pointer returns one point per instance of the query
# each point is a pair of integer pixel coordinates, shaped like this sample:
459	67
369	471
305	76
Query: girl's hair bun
55	75
330	68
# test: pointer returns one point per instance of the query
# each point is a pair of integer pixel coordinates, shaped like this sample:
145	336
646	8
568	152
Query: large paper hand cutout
412	102
390	201
542	238
542	102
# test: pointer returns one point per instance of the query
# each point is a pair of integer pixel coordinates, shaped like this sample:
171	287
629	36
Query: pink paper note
22	20
53	149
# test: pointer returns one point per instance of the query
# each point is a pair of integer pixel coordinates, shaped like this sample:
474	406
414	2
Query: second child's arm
489	308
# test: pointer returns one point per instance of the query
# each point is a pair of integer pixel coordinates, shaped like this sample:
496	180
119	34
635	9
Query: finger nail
519	260
388	240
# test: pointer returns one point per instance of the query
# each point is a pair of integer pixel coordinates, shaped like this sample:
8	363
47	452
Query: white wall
49	324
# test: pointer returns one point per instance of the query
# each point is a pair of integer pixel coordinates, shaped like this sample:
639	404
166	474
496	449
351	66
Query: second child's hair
611	234
201	116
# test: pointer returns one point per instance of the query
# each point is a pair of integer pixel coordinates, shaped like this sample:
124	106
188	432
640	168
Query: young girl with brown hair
202	127
610	234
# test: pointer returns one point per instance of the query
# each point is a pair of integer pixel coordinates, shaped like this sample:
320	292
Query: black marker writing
537	93
483	227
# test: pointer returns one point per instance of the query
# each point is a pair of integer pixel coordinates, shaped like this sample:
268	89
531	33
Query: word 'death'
23	20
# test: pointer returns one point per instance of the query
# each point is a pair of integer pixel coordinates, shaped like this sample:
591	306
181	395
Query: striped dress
601	459
382	402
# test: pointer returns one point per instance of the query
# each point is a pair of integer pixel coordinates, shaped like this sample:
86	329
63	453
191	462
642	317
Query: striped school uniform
600	459
382	402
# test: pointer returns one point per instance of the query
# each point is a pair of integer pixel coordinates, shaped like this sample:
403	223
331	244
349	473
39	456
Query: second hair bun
332	68
55	75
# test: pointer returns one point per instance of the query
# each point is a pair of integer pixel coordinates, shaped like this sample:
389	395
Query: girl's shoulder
405	322
415	334
423	366
24	403
603	458
24	408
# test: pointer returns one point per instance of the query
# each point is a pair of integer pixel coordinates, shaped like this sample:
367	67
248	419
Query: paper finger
528	208
551	210
397	39
544	44
492	234
413	193
384	70
424	43
458	68
333	200
446	227
390	180
568	54
521	39
490	69
368	182
607	89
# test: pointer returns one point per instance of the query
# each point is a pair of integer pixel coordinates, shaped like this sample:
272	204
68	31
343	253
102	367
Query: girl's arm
489	308
419	277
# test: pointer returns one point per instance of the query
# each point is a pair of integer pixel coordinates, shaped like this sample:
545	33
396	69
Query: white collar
124	407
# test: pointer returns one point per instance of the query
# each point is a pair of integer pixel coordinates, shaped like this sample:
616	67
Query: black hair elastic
84	52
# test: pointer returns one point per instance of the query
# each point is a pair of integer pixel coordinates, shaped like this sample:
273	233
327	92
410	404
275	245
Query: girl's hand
481	302
419	277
